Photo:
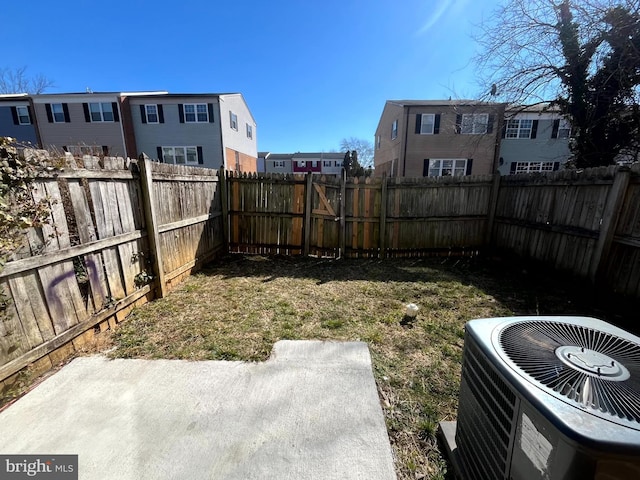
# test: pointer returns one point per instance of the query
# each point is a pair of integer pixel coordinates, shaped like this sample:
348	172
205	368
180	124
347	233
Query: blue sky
312	72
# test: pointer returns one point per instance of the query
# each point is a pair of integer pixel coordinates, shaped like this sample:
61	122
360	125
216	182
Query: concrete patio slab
310	412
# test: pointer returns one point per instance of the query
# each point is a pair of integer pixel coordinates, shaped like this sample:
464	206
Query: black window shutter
85	107
425	168
14	114
143	113
181	112
418	122
436	124
534	129
469	165
47	107
512	169
490	123
556	166
200	157
65	111
458	123
116	115
210	108
556	127
159	151
160	113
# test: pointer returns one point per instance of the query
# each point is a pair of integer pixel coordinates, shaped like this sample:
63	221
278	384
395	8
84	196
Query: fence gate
324	216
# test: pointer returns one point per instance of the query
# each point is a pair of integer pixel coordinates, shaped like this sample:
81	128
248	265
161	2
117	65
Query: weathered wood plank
34	354
609	223
152	224
13	338
87	235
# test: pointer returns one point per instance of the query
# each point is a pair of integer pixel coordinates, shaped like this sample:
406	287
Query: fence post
146	182
307	212
224	203
493	205
383	217
343	213
610	216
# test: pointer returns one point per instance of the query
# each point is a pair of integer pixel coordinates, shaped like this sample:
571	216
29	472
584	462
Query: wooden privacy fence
305	214
115	236
120	235
586	223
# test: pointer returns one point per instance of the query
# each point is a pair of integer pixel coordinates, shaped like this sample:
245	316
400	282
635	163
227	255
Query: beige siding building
81	123
418	138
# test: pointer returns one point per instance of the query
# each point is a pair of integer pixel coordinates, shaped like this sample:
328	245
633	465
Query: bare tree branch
18	81
580	55
363	147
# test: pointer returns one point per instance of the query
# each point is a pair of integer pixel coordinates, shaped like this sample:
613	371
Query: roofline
436	103
14	95
221	95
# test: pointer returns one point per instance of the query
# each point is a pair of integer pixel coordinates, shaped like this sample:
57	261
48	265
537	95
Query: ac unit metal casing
552	407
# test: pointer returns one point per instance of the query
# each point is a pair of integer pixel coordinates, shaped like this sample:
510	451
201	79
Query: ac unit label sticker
534	445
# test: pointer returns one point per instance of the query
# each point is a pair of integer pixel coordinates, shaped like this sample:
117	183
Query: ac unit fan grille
595	369
485	418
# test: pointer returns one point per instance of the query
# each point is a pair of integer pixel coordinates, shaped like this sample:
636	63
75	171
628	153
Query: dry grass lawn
239	306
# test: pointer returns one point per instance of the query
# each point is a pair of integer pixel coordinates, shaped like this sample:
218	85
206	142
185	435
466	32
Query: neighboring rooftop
442	102
289	156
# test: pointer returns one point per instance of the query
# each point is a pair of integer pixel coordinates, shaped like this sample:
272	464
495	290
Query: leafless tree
363	147
580	55
18	81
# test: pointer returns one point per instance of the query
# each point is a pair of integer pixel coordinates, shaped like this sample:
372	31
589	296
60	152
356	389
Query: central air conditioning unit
548	398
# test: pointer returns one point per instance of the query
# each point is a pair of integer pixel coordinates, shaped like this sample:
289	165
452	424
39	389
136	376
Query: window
278	164
427	123
377	142
302	163
57	113
528	167
519	128
326	163
394	130
101	112
237	161
249	131
337	163
233	120
23	116
181	155
474	123
152	113
447	167
564	129
196	113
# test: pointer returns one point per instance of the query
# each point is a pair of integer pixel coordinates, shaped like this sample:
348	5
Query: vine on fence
18	209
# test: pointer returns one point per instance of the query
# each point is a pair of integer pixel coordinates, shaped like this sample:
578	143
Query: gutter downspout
222	147
498	133
35	123
406	137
